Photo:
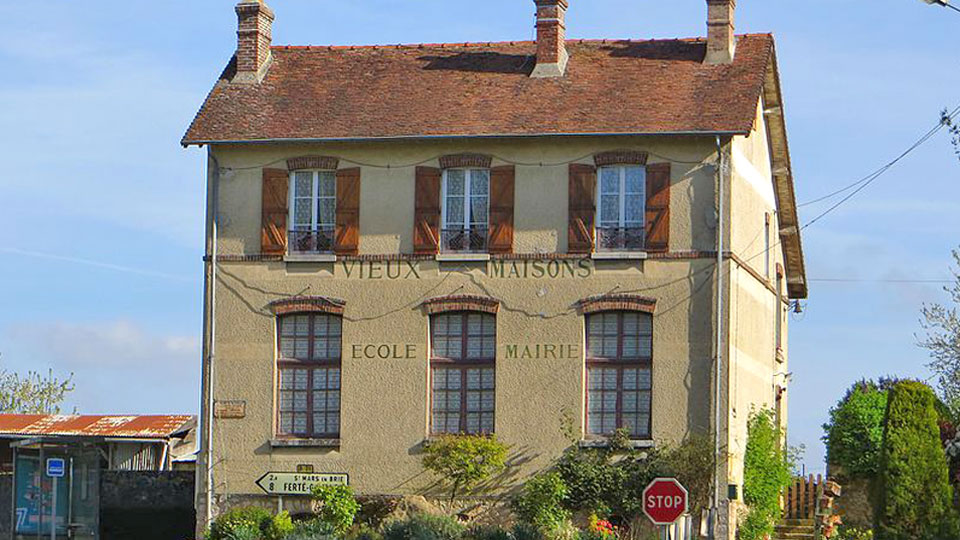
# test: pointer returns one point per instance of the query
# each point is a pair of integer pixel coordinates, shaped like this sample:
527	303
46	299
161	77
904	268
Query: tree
915	493
954	128
942	326
463	461
32	393
855	431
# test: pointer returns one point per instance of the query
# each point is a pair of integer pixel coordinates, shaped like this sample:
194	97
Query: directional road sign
288	483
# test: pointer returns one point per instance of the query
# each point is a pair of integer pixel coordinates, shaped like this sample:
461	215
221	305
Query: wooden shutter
582	208
273	221
658	207
348	212
501	209
426	231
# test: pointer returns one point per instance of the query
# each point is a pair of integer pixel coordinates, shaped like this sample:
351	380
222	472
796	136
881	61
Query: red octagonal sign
664	501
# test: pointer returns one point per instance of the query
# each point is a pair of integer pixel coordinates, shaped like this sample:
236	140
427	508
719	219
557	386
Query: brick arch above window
307	304
620	157
300	163
453	161
447	304
617	302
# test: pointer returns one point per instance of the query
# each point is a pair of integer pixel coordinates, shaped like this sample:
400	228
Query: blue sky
95	100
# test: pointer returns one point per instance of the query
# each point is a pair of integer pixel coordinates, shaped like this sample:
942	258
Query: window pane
610	180
299	401
609	210
302	213
634	210
328	184
478	211
302	325
455	182
480	182
454	212
326	212
304	184
635	180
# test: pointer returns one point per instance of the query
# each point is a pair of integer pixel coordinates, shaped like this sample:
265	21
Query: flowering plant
603	528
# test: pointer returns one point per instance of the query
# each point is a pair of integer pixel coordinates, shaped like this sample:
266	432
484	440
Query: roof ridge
697	39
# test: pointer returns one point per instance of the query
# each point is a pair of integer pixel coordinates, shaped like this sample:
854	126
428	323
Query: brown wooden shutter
658	207
273	221
348	212
582	208
501	209
426	231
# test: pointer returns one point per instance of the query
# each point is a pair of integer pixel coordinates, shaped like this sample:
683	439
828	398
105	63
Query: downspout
719	345
211	311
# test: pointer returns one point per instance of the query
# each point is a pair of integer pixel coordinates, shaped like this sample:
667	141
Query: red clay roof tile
431	90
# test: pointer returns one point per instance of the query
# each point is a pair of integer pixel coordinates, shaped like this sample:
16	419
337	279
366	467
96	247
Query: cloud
118	366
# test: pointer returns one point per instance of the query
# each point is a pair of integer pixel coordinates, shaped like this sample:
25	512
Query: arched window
462	358
308	365
619	382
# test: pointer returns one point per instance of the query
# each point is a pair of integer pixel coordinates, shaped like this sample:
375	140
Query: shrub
463	461
853	533
338	506
527	531
540	502
766	471
855	430
362	532
487	532
424	527
237	524
915	493
313	529
692	463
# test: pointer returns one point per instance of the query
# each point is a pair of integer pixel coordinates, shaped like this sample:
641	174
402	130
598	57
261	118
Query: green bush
487	532
424	527
239	523
362	531
313	529
338	506
766	471
464	461
527	531
915	492
853	533
540	502
855	430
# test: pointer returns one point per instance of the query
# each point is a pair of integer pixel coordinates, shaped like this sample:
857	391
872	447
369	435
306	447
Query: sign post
287	483
664	502
56	468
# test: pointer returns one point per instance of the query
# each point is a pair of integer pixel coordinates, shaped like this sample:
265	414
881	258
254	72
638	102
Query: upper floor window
619	381
308	366
313	211
462	368
621	207
466	210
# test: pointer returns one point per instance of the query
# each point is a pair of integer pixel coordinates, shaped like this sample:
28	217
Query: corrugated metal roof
149	427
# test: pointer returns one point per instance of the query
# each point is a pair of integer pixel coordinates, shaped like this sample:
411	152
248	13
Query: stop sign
664	501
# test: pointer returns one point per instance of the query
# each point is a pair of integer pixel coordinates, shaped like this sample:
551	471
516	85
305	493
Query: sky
101	210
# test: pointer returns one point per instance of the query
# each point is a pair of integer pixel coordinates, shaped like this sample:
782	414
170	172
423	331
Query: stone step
797	522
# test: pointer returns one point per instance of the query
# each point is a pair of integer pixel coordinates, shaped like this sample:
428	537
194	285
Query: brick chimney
551	38
254	30
721	43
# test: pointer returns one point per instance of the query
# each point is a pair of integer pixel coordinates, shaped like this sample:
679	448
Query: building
87	449
411	240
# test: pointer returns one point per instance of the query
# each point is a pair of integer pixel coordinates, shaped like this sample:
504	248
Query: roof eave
294	140
789	233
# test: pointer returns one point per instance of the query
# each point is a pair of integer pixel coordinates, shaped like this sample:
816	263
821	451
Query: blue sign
56	467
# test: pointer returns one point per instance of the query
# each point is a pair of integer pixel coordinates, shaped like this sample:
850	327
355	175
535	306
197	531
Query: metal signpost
664	502
56	469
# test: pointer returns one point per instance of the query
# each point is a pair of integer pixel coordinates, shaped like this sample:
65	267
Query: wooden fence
800	497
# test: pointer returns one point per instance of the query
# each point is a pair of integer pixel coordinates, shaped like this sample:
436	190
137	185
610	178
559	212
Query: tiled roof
610	87
147	427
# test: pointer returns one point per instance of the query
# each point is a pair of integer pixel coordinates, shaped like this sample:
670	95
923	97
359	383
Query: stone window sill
305	443
310	257
463	257
604	443
618	255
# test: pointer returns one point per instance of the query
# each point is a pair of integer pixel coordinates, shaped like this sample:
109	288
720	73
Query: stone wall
147	505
